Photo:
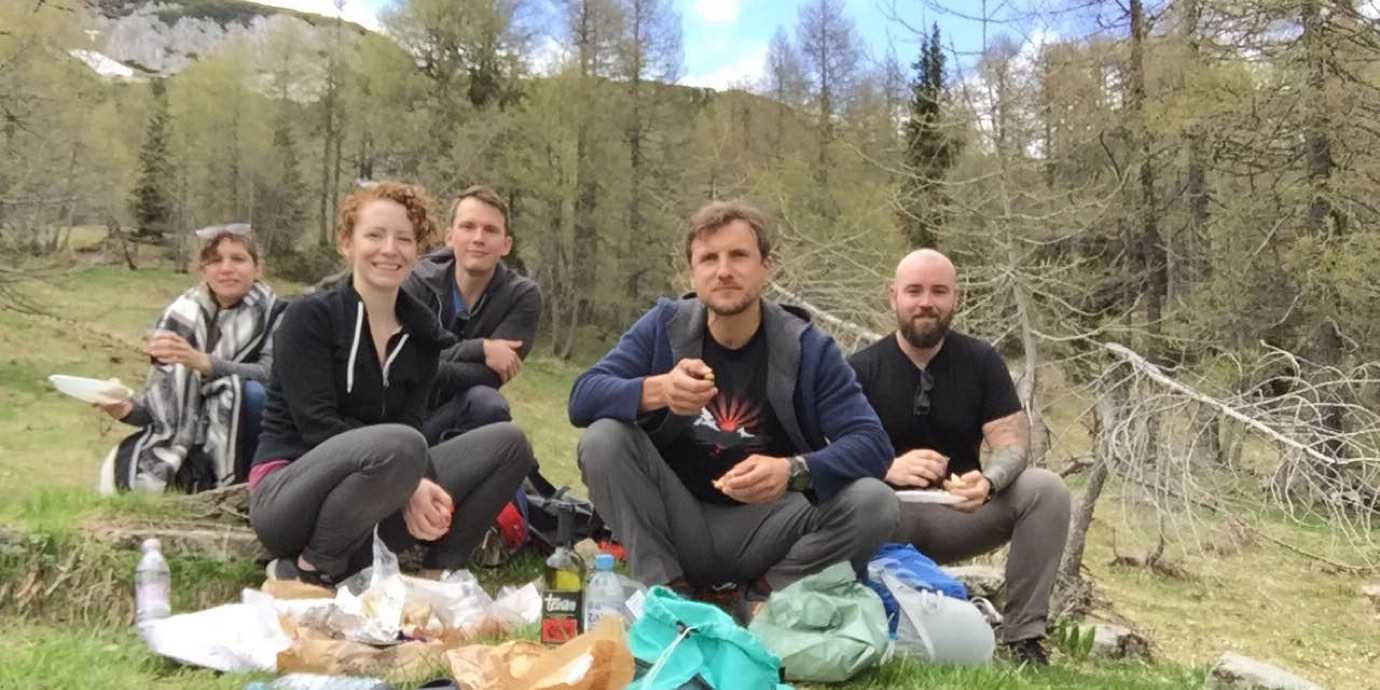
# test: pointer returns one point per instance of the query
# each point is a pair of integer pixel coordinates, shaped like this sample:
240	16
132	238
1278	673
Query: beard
728	306
920	336
731	308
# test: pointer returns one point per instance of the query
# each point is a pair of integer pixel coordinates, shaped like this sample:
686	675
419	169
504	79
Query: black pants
325	504
465	411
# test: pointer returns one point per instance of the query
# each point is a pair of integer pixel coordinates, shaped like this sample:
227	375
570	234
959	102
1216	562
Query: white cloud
357	11
744	71
717	11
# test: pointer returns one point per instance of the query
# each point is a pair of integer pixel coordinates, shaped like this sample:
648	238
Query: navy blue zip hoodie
810	387
326	378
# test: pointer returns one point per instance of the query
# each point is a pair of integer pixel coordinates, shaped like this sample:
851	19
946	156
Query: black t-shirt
738	422
971	388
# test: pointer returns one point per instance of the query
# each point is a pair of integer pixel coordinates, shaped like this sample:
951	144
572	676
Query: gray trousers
669	534
325	504
1032	514
465	411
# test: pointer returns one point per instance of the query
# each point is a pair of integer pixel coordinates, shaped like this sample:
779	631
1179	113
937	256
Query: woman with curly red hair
341	450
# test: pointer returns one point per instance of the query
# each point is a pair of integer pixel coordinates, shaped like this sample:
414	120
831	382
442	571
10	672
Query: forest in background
1170	209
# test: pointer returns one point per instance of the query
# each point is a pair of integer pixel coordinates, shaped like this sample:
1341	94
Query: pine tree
930	151
279	214
151	201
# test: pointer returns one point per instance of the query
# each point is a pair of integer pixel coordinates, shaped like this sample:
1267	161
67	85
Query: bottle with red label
564	578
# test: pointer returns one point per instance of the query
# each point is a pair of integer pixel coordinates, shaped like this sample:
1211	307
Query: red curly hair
411	197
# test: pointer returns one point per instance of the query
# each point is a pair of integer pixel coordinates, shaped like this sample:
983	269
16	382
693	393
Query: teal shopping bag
687	643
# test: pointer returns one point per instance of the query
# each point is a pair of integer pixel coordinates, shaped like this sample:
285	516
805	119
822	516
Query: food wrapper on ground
409	661
458	603
234	637
519	605
375	616
596	660
480	667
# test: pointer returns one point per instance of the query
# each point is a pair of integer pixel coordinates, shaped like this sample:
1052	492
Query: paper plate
97	391
927	496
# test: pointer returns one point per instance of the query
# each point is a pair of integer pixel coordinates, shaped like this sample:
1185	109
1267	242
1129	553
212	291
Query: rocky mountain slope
161	37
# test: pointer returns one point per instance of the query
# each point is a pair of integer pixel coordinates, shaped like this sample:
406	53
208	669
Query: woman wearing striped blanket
211	351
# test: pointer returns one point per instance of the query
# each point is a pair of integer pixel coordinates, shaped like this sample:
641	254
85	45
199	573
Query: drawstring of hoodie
354	348
354	351
401	341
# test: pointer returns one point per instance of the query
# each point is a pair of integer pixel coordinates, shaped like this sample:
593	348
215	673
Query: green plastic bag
683	643
826	627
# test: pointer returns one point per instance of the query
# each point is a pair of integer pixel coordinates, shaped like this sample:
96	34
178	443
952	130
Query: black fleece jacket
326	377
509	309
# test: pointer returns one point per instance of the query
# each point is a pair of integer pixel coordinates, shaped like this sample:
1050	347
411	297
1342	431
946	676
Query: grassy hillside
1246	596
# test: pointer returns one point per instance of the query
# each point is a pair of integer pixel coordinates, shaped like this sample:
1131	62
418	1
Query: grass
1244	594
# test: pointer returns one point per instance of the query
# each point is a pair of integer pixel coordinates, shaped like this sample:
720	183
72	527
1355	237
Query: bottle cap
603	561
152	543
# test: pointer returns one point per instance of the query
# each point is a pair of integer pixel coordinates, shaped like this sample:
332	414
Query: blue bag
913	568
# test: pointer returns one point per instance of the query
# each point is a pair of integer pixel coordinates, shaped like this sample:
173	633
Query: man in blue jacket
728	440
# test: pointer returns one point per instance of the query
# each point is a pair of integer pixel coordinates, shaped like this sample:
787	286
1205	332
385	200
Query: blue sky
726	41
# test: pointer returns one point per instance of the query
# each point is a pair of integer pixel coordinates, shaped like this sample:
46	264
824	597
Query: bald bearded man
940	395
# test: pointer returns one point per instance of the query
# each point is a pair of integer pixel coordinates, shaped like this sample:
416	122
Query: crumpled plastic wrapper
409	661
519	605
375	616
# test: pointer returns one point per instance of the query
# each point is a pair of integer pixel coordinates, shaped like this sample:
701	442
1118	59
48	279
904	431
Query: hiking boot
286	569
1028	652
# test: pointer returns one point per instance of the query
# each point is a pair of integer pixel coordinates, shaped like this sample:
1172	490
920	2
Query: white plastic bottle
603	593
152	584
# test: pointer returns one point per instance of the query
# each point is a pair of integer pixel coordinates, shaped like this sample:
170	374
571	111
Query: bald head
924	296
926	264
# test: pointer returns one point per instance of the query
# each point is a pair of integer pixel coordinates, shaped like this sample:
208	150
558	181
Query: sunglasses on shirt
920	406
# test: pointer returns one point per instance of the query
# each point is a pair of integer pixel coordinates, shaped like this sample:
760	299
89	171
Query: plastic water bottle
315	681
604	593
152	584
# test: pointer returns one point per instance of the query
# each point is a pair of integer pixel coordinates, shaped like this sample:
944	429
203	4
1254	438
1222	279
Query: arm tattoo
1004	465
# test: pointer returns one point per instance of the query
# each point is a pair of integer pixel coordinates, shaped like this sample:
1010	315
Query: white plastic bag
939	629
456	599
375	616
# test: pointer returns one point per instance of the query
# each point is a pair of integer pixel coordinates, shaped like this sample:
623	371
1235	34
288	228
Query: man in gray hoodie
493	312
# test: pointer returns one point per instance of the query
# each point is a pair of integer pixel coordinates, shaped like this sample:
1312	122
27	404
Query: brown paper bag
294	589
602	654
408	661
480	667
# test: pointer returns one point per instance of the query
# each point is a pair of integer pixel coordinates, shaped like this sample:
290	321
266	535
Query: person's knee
254	397
484	405
399	448
513	443
1045	488
872	509
601	444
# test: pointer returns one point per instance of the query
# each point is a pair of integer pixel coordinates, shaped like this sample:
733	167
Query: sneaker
286	569
1029	652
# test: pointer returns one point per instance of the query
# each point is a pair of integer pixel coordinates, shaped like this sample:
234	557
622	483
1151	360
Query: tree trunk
1151	248
1107	412
1196	263
586	187
634	240
1316	138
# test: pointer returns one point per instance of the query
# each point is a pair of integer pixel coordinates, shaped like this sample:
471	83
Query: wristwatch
799	479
